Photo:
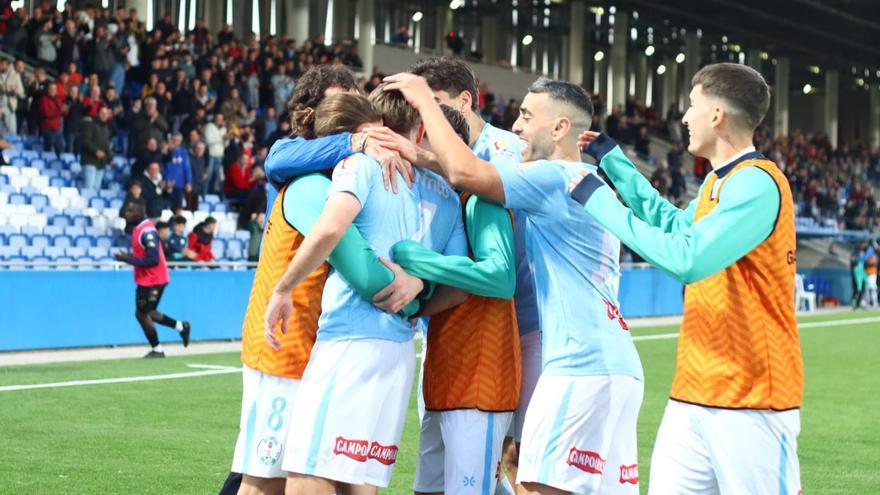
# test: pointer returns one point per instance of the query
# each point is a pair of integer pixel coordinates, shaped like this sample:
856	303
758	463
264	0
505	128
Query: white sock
503	486
158	348
179	326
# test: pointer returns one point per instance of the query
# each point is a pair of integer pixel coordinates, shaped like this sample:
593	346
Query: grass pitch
176	436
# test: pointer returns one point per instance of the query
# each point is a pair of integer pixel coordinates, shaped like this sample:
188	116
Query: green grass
176	436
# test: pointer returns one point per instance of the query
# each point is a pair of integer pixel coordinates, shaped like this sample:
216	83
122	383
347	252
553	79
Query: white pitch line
127	379
212	367
812	324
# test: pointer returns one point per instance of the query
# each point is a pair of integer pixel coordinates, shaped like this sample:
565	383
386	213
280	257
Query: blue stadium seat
39	200
18	162
30	190
40	240
16	240
98	252
85	259
75	167
18	259
17	199
88	194
224	235
30	252
48	155
56	165
74	231
82	221
243	235
51	173
53	230
205	207
75	252
104	241
218	246
106	194
42	262
54	252
7	188
59	182
60	220
233	254
38	164
220	208
31	154
62	241
72	212
4	180
64	259
7	251
31	230
212	199
84	241
97	203
67	157
95	231
116	203
7	230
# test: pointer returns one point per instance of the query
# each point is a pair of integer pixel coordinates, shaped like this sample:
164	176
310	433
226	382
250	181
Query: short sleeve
530	186
355	175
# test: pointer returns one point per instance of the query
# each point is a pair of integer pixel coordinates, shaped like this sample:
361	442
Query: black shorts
147	298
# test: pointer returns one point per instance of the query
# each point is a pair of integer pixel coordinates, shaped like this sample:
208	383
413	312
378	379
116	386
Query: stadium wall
62	309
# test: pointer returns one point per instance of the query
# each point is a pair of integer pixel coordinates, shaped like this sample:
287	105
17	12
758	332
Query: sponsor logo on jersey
629	474
386	454
269	451
586	461
353	449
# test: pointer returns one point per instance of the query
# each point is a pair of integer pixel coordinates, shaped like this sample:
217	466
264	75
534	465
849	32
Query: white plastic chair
802	295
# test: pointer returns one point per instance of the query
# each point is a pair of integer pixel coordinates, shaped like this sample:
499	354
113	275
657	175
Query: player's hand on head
280	309
577	180
586	138
403	290
414	88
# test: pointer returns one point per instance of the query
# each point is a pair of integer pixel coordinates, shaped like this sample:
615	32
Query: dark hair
458	122
741	87
570	94
135	182
178	220
161	225
309	93
449	74
343	112
397	114
210	221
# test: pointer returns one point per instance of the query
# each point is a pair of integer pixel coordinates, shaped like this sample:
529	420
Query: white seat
69	192
8	170
59	202
39	220
188	215
227	226
40	181
100	222
51	191
802	295
19	181
29	172
24	209
18	220
166	215
119	223
78	202
110	212
4	198
200	216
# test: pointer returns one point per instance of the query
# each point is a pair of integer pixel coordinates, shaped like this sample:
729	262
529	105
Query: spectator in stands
660	180
11	90
101	53
643	145
178	171
148	124
46	51
194	122
401	37
216	137
233	108
70	40
134	195
240	159
176	242
198	161
612	123
283	85
93	101
200	240
151	153
51	114
255	202
95	145
156	192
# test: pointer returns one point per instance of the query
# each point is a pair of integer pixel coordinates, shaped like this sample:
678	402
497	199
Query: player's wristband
427	290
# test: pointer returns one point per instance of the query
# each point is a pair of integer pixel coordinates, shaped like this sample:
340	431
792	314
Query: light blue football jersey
429	213
576	273
496	145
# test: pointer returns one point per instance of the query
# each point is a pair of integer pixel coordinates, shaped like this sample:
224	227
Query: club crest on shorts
386	454
586	461
269	451
629	474
353	449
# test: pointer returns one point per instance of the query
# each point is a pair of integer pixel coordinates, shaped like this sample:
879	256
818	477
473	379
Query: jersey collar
749	153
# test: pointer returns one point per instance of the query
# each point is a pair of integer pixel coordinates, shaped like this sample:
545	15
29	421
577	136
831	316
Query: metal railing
119	266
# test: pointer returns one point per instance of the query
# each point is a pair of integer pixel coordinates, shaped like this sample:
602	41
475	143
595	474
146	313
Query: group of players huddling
404	204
